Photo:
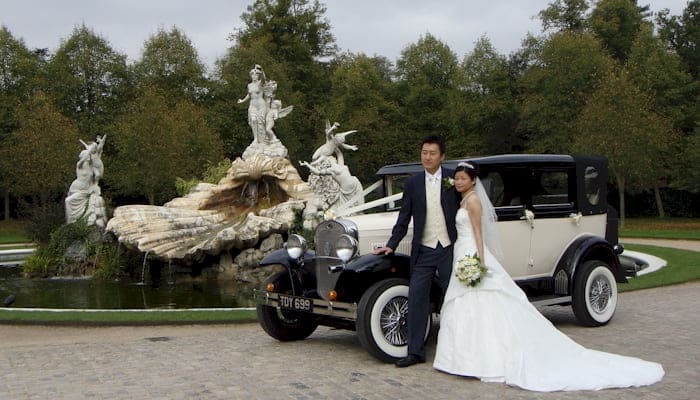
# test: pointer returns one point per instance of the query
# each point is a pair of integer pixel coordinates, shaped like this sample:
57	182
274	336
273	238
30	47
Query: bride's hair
469	168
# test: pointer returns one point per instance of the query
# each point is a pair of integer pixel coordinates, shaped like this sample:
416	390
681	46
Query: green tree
39	156
616	23
89	80
490	112
156	143
565	15
170	63
19	76
427	73
682	34
661	76
361	88
619	123
555	88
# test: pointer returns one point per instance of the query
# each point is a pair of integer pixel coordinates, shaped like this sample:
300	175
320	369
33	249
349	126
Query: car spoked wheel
393	322
381	320
595	294
282	324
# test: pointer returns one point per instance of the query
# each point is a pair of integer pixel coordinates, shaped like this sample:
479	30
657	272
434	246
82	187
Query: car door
555	223
506	187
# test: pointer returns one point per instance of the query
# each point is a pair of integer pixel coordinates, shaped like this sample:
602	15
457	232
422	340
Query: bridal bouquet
469	270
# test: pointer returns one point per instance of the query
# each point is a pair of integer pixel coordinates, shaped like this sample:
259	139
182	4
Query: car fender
588	247
280	256
378	263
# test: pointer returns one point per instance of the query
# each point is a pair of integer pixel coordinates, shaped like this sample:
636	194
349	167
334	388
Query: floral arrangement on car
469	270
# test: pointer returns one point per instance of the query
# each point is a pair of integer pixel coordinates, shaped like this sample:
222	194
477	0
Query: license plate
295	303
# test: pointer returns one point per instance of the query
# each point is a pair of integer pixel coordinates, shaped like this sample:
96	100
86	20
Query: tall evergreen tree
20	71
616	23
427	73
170	62
89	81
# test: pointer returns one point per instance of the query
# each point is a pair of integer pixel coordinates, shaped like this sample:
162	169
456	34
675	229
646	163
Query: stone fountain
246	213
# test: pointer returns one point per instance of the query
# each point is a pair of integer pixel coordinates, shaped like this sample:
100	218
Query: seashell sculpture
211	219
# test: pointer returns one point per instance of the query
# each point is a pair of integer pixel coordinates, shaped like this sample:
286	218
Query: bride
492	332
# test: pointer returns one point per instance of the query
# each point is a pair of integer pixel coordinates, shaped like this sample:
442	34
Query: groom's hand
382	250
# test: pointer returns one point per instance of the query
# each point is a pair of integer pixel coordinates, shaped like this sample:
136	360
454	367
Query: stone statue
276	111
333	145
263	110
342	187
257	108
330	178
84	195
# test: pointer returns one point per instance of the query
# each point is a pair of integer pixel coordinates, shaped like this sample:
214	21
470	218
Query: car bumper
337	309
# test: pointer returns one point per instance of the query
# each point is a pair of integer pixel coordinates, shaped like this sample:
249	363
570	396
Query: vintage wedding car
558	234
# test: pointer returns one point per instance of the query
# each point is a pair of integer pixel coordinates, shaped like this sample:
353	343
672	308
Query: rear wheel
281	324
595	293
381	320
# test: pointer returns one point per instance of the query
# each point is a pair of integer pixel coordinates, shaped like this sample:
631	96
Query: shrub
41	221
110	263
41	263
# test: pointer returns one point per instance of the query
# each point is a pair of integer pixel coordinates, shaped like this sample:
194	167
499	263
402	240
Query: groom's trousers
428	262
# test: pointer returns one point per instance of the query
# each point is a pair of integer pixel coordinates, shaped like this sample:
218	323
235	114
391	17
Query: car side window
394	184
592	185
493	185
552	187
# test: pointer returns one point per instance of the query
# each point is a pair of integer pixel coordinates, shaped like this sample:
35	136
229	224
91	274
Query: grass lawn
662	228
682	266
109	317
12	231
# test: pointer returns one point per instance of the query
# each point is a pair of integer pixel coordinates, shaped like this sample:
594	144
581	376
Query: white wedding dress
493	333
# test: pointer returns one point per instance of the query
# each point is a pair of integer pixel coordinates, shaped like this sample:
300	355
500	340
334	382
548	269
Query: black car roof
510	159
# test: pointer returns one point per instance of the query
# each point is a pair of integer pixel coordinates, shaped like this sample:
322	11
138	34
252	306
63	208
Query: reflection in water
95	294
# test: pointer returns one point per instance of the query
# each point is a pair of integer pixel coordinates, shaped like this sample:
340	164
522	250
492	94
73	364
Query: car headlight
345	247
296	246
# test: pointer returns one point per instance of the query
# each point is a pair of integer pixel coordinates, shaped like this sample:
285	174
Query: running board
551	301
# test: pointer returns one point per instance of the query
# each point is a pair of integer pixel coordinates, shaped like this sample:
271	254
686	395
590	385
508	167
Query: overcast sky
382	27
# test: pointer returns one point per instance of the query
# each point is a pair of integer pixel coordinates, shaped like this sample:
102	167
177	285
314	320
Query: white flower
329	214
448	182
469	270
576	218
530	217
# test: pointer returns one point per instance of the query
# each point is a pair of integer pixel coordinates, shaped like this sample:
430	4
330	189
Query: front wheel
595	293
284	325
381	320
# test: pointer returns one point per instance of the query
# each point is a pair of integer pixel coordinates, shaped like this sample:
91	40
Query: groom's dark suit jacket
414	205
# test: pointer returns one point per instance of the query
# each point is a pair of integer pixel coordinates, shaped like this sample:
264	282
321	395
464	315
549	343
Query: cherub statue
333	144
276	111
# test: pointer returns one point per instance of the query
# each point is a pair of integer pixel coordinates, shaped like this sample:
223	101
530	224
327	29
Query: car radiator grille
327	233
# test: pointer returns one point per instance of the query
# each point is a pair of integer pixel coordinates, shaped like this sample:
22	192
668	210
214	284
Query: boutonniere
447	183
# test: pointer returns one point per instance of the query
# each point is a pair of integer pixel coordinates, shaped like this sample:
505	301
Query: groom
433	209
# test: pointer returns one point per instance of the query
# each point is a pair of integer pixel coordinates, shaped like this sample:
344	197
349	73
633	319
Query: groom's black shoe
409	360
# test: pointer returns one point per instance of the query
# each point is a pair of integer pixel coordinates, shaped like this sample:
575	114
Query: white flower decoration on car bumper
329	214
